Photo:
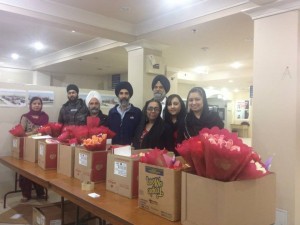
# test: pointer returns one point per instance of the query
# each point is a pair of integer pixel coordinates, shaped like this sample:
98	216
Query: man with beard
160	87
93	101
74	111
124	118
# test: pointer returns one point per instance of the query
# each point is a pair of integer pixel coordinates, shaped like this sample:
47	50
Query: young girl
31	121
174	115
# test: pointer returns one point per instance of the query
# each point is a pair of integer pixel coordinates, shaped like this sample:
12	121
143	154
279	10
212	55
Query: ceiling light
230	81
73	31
38	46
201	70
14	56
236	65
236	90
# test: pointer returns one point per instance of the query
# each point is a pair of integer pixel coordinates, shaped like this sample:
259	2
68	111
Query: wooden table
112	207
242	130
30	170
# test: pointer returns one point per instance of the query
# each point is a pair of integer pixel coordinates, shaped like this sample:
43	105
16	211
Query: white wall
9	117
276	107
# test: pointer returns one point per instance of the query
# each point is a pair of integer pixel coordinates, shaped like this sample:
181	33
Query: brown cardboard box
50	214
210	202
90	165
122	174
17	147
65	160
47	155
160	190
30	149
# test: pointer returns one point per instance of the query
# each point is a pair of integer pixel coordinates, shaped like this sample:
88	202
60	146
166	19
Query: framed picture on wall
242	110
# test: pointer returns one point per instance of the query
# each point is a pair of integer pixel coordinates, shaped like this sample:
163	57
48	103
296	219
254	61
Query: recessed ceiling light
38	45
14	56
73	31
236	65
230	81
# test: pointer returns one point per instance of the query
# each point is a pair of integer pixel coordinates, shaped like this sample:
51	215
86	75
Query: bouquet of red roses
221	155
161	158
101	130
55	128
17	131
45	130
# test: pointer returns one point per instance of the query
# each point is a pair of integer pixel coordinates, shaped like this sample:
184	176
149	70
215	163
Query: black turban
72	87
163	80
124	85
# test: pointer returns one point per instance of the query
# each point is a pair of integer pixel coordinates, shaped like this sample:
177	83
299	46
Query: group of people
163	122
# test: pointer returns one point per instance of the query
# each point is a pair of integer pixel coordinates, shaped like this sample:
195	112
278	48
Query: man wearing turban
124	118
93	101
74	111
160	87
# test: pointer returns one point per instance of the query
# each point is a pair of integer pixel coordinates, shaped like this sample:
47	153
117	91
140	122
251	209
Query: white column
276	104
138	76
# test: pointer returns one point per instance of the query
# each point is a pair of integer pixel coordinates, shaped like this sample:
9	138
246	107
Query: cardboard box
47	155
160	191
90	165
66	160
30	149
210	202
122	174
50	214
17	148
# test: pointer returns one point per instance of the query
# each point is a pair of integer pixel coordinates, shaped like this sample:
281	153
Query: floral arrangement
161	158
17	131
219	154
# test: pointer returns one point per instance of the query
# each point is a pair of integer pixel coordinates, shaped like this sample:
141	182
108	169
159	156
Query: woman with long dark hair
152	131
199	116
174	114
31	121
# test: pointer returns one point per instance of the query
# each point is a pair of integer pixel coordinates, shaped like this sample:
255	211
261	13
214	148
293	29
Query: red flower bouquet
92	121
81	133
55	128
254	169
225	154
161	158
221	155
17	131
45	130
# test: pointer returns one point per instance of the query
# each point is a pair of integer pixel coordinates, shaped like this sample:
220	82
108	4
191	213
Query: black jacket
73	113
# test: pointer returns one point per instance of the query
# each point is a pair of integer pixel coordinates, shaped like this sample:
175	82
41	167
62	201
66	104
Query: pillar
276	104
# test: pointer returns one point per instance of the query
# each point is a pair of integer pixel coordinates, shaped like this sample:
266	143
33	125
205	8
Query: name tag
132	117
73	110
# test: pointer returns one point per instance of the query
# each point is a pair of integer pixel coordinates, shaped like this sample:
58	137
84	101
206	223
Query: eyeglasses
151	109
